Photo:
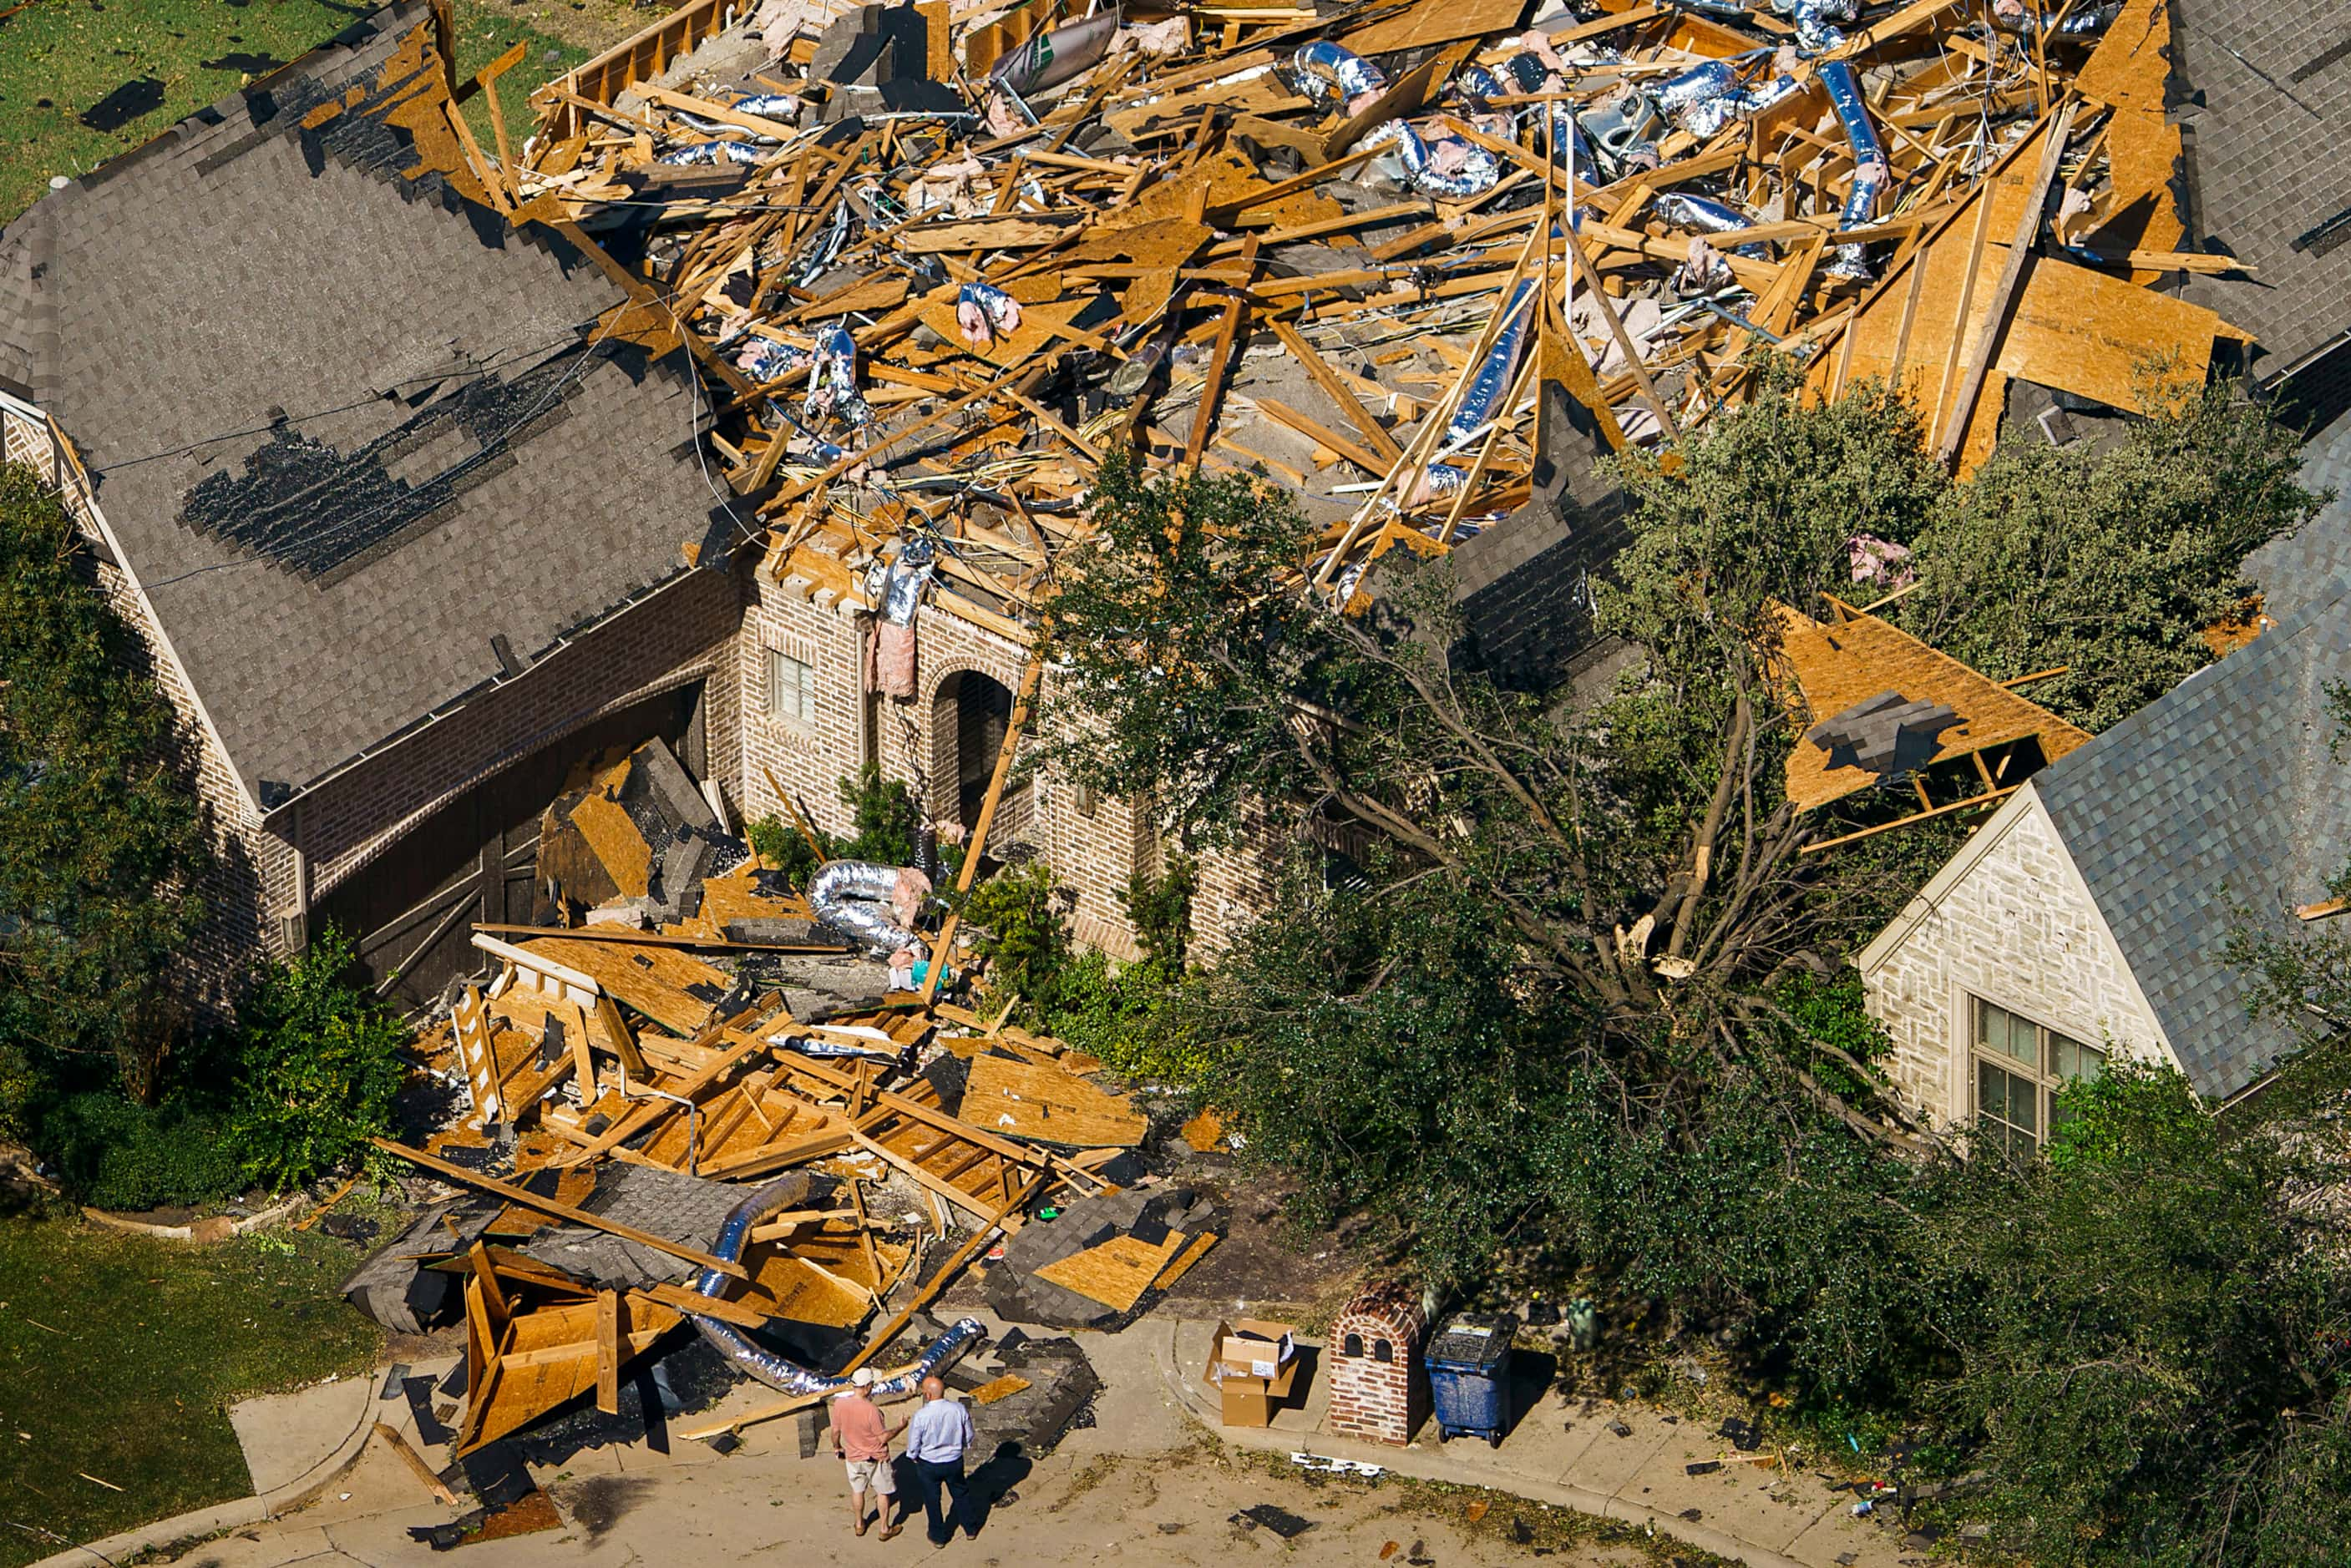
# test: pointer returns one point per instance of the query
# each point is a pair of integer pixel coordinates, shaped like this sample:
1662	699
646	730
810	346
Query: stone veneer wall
2016	927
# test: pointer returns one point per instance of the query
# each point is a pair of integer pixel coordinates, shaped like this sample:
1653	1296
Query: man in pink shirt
863	1440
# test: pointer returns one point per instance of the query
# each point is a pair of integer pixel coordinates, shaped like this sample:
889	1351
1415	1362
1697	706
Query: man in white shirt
936	1437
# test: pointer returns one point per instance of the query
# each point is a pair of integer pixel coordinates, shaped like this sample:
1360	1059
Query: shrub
116	1154
1020	932
886	817
1161	908
318	1063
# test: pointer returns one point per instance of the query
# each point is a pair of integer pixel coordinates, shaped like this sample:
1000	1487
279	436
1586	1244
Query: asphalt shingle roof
2267	92
2219	795
2291	570
345	423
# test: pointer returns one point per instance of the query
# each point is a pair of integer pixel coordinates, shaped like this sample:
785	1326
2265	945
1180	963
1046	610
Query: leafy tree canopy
101	839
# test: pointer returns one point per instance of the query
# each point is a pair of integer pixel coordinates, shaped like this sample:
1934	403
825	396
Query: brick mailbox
1378	1389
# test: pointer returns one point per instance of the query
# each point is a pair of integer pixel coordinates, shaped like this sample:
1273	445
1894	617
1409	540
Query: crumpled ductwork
1815	20
1869	166
1337	79
786	1376
851	898
696	154
1483	400
833	383
1707	216
1473	170
1704	99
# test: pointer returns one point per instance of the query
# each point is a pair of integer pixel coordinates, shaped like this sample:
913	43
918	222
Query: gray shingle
241	271
2291	570
2264	93
2219	796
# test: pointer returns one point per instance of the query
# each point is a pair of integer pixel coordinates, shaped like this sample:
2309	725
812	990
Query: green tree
101	840
1014	917
319	1064
2111	562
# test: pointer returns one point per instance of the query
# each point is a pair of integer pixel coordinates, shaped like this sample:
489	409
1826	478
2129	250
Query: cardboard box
1253	1366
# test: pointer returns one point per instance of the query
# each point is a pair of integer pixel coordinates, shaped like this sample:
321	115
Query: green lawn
59	58
119	1355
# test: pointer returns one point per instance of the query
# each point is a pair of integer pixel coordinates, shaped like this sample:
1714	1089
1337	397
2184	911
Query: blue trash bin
1469	1365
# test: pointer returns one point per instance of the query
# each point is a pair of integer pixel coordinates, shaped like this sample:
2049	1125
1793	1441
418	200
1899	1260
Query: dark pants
929	1477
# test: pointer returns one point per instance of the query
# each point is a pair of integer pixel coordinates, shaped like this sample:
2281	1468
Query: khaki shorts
875	1473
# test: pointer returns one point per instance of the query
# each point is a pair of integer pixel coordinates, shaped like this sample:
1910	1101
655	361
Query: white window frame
791	687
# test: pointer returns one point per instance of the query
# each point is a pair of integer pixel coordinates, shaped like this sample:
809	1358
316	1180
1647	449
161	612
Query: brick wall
2018	928
1093	844
683	632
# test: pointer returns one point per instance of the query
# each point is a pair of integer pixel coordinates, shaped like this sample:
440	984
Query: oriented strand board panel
660	982
786	1286
1838	664
1026	1100
2127	67
1115	1274
2098	336
1436	22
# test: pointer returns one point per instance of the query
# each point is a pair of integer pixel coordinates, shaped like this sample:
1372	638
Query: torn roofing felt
2219	796
2263	87
345	423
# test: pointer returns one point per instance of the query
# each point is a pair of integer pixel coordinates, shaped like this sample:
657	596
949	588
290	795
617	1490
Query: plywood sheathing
1837	664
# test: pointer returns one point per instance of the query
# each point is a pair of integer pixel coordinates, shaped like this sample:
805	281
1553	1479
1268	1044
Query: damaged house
410	501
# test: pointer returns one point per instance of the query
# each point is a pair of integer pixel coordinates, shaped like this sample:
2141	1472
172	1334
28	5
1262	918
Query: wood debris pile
777	1151
941	260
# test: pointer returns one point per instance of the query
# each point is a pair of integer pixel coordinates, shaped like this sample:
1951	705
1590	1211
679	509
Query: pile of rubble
944	258
712	1103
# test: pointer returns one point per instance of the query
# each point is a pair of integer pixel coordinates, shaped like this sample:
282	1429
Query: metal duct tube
1680	99
1333	76
1708	217
833	383
852	897
1492	382
2083	22
1869	169
909	575
1479	173
983	310
1050	58
703	152
1815	33
1473	83
783	1375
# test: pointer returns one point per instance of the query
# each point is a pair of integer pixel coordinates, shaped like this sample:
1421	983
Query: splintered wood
1191	239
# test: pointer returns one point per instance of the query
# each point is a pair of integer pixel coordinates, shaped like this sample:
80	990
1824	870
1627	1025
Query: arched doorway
968	718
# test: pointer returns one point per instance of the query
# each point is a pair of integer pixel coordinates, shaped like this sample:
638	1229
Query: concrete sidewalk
1565	1451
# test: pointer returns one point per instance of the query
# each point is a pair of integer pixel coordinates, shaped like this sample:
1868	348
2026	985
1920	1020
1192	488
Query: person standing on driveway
936	1436
862	1439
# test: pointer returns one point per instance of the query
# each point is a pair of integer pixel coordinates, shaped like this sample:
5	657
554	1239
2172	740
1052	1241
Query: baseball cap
864	1377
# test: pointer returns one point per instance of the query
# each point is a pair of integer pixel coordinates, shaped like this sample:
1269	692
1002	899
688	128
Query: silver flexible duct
1815	33
786	1376
984	310
833	383
909	575
852	897
702	153
1479	170
1487	389
1333	76
1708	217
1869	168
2083	22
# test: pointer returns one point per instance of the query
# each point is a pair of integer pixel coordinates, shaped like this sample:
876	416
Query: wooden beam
529	1199
1024	700
2003	294
408	1456
608	1352
1339	393
1972	801
946	1274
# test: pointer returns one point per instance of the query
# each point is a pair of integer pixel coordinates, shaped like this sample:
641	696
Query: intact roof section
2266	86
345	422
2219	797
2292	570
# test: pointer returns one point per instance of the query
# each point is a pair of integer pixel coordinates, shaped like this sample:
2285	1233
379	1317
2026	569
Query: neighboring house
407	520
2089	917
